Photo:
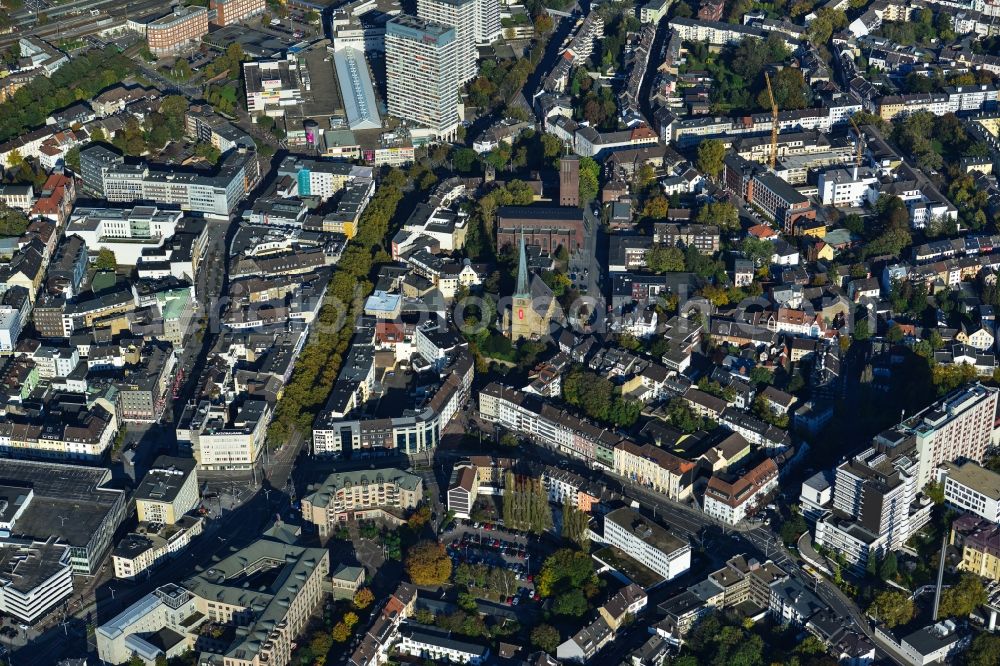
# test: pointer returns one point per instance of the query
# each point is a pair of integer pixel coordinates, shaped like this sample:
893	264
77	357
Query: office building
94	161
647	543
361	495
124	231
972	488
271	86
289	584
178	31
215	194
69	503
221	442
228	12
168	491
422	74
34	576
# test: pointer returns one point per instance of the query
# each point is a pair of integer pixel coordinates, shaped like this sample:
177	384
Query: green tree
464	160
888	566
962	599
892	607
719	213
574	524
545	637
665	259
106	260
571	603
710	155
12	221
565	569
589	183
984	650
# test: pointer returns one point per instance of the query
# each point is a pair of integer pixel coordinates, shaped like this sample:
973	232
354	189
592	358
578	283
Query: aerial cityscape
499	332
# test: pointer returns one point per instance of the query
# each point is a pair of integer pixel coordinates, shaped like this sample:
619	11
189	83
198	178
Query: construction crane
774	124
857	161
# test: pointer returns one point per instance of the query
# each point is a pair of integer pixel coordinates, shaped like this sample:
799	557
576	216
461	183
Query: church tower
532	306
522	314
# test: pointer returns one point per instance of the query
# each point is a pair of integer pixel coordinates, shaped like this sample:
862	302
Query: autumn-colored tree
427	563
419	518
350	619
363	598
341	632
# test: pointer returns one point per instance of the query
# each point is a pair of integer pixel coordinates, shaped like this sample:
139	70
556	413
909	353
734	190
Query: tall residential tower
422	74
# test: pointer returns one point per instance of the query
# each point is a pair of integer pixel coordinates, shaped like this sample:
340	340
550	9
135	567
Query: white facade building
647	543
423	74
972	488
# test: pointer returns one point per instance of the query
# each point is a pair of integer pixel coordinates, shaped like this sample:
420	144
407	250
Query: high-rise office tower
422	80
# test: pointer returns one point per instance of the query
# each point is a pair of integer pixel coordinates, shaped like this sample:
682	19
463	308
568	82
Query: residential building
438	646
460	15
654	468
979	541
732	497
361	495
463	490
875	503
168	491
138	553
647	543
423	74
958	425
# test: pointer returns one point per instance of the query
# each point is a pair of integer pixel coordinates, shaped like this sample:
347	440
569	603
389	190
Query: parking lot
491	545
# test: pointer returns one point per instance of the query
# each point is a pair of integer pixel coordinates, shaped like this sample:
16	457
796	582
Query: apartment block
959	425
361	495
875	504
423	74
732	497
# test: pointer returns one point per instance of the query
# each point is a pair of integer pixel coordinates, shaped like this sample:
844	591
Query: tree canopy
427	563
